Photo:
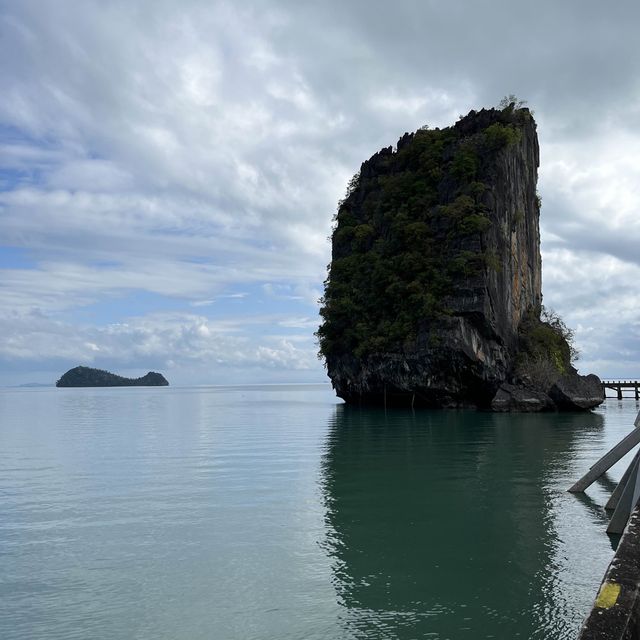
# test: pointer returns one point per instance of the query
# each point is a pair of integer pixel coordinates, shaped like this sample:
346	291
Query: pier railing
616	612
626	495
619	385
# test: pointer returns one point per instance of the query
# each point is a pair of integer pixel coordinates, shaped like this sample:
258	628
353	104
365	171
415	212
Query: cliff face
506	291
88	377
435	265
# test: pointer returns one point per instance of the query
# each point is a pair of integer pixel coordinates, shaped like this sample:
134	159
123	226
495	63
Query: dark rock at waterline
573	392
89	377
512	398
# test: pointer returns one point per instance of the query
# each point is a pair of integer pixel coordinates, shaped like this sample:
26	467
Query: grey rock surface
512	398
573	392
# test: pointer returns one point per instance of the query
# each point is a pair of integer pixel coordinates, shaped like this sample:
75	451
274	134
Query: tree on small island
88	377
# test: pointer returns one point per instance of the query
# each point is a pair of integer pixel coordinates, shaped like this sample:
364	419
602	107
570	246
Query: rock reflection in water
441	524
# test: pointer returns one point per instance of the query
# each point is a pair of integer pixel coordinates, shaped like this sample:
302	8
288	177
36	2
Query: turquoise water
276	513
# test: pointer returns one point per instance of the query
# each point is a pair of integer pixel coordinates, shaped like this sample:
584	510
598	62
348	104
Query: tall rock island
433	295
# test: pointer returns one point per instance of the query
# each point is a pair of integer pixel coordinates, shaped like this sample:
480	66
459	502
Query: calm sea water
276	513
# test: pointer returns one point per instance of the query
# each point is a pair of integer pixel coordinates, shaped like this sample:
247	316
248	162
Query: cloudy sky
169	170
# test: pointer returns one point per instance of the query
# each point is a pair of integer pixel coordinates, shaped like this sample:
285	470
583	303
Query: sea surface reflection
275	513
458	524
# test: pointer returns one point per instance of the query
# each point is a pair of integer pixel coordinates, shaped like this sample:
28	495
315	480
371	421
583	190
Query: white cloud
182	341
596	294
196	150
299	323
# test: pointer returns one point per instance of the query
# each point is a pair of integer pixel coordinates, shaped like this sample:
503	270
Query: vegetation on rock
407	232
546	349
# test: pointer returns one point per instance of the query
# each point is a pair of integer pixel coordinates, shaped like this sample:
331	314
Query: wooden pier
619	385
616	612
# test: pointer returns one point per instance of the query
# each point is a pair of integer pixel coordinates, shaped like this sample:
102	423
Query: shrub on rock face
546	349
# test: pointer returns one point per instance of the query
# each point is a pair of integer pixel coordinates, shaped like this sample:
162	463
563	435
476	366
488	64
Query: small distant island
88	377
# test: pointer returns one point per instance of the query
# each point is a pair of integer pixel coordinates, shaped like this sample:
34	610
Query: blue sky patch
16	258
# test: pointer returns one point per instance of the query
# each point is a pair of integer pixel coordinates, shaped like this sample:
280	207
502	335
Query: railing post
627	502
612	503
623	447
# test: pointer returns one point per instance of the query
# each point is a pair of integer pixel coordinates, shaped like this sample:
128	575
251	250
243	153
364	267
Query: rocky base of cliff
440	378
403	385
462	363
522	399
571	392
574	392
458	363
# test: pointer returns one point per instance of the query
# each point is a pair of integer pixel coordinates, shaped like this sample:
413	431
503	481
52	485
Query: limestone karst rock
433	295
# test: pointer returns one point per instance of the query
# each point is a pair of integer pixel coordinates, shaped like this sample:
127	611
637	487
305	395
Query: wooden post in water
626	496
612	503
627	502
608	460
